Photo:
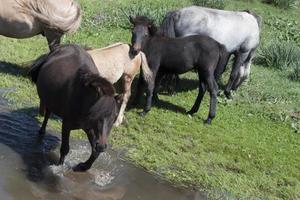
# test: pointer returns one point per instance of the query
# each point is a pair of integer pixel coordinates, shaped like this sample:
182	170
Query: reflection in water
28	170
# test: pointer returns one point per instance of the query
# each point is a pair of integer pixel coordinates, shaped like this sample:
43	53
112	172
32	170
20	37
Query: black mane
145	21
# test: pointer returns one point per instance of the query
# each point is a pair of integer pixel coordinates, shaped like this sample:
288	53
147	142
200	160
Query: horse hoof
228	95
190	112
81	167
207	121
143	114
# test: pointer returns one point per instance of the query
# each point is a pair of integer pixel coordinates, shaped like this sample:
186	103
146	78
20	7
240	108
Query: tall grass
285	4
282	55
219	4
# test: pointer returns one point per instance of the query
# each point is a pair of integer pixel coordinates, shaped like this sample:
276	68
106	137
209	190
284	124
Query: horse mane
167	26
101	85
145	21
36	66
51	14
257	17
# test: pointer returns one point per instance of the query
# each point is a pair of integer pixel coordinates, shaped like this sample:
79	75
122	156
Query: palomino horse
237	31
69	86
114	63
27	18
177	56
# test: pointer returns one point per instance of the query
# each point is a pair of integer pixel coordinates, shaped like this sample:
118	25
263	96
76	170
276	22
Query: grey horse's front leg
239	60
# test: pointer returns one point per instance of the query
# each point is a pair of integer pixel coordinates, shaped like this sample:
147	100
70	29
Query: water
28	170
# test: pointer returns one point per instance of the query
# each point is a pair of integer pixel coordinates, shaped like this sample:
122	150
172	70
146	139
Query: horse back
58	83
113	61
220	25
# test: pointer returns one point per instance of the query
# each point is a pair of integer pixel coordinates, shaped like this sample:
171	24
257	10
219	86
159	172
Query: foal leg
46	117
149	93
239	60
213	92
64	148
158	78
127	92
201	92
139	90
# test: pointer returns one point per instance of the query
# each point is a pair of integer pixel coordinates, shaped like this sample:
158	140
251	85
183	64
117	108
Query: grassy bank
252	148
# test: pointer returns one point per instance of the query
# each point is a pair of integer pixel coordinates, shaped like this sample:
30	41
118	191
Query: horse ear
131	19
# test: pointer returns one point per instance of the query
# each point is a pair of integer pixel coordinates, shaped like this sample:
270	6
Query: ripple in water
102	170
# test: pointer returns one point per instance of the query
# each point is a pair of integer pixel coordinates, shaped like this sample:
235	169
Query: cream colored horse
27	18
114	63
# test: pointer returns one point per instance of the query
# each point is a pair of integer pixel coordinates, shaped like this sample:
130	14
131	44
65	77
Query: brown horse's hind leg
64	148
42	109
127	92
53	37
46	117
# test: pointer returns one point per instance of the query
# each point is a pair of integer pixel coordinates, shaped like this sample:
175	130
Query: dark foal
69	86
178	56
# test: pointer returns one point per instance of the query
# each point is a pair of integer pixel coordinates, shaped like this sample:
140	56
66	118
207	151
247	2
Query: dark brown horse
69	86
177	56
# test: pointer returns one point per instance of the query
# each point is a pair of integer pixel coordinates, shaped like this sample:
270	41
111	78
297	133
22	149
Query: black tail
36	66
167	27
101	85
222	63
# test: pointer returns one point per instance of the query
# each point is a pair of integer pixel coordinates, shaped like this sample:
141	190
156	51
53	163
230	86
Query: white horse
27	18
239	32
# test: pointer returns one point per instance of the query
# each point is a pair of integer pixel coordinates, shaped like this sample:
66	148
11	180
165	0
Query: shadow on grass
14	69
161	103
19	132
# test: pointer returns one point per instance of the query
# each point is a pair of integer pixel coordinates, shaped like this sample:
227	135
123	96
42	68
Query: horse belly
15	24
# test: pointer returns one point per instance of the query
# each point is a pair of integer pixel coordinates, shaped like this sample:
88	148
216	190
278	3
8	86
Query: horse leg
245	72
158	79
87	164
53	37
139	90
42	108
149	94
64	148
127	92
201	92
239	60
46	117
213	92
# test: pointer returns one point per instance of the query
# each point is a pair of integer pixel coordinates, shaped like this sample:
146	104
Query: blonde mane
62	15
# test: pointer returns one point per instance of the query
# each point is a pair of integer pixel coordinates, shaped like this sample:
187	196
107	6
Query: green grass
250	151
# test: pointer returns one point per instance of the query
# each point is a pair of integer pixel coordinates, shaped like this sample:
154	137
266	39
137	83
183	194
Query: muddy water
28	170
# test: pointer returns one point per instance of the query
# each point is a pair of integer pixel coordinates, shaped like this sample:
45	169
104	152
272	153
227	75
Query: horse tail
36	66
223	60
145	68
52	15
167	27
101	85
257	17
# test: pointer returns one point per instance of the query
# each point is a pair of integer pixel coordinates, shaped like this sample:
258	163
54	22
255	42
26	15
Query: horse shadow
184	86
19	132
14	69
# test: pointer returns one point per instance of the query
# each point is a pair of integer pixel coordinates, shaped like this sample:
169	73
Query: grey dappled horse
239	32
